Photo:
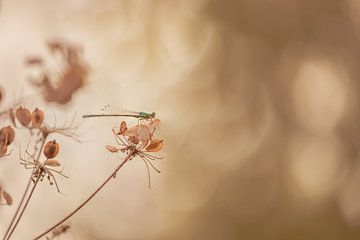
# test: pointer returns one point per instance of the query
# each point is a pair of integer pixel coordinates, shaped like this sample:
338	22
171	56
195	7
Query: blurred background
259	103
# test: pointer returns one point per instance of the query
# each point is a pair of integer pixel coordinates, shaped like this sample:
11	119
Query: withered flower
71	78
51	149
138	141
23	115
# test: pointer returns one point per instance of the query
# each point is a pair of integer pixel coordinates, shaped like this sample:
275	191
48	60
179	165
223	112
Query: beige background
259	106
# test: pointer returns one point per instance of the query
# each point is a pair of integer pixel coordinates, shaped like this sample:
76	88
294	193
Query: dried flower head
138	141
51	149
37	118
42	170
72	76
23	115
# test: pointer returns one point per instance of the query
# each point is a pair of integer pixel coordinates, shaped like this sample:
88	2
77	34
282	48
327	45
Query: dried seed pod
52	163
37	118
7	135
123	128
7	197
23	115
155	145
51	149
111	148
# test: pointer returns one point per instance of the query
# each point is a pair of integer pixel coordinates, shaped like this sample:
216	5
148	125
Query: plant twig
23	210
24	195
128	157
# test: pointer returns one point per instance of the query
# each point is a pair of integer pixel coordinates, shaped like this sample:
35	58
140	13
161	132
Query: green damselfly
124	113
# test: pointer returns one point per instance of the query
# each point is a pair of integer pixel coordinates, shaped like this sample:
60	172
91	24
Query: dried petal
155	145
7	135
8	198
52	163
23	115
134	139
51	149
154	124
143	134
123	128
111	148
37	118
132	131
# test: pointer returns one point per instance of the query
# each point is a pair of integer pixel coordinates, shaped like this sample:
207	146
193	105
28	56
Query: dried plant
41	154
135	141
59	88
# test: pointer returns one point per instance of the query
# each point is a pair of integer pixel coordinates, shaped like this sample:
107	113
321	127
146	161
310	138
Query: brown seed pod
7	197
37	118
23	115
51	149
123	128
7	135
111	148
52	163
155	145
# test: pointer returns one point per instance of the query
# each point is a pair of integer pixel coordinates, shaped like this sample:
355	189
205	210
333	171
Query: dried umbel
51	149
71	77
37	118
138	140
23	115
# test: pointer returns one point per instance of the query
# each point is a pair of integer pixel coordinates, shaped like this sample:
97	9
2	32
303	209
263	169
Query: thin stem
23	210
128	157
24	194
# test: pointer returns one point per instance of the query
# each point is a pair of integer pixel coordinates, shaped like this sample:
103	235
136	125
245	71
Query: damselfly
123	113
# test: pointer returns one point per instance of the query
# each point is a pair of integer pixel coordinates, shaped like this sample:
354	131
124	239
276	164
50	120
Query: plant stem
24	194
23	210
128	157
